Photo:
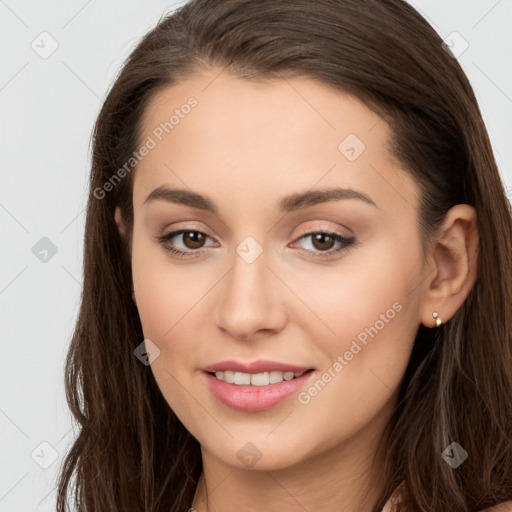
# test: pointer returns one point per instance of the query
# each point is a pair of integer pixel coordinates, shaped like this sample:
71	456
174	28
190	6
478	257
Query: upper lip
258	366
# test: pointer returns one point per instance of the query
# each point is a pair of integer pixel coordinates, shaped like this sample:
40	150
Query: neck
347	476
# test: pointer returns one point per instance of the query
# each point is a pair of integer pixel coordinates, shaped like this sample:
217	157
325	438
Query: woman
297	273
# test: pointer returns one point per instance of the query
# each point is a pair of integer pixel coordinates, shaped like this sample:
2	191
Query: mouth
253	392
268	378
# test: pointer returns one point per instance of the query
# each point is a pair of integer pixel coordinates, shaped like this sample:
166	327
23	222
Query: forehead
269	110
266	135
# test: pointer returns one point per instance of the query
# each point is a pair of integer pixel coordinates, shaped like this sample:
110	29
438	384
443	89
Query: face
274	266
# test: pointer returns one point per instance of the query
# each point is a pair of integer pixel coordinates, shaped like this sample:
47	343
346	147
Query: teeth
260	379
256	379
242	379
228	376
275	377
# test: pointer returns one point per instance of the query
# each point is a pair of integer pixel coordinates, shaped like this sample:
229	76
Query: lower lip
255	398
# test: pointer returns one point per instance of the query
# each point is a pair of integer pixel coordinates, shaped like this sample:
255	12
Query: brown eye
323	241
184	242
193	239
322	244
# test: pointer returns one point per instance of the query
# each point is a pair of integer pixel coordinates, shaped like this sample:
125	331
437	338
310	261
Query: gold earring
438	320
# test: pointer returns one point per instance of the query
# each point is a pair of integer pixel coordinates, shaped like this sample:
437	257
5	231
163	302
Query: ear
120	223
452	267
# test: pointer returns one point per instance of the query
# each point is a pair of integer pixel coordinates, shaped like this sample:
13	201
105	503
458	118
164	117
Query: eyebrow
286	204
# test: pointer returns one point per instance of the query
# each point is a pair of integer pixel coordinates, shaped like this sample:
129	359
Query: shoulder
397	496
506	506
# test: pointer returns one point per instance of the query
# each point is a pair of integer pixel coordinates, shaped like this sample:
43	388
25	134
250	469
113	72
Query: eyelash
346	244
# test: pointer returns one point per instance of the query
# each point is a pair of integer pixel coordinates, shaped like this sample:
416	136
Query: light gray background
48	107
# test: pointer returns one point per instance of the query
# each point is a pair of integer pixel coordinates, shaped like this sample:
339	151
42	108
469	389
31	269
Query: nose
250	300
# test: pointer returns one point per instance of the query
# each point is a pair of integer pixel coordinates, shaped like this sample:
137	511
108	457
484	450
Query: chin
260	454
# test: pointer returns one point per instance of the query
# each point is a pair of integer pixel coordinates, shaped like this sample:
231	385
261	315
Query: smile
257	391
256	379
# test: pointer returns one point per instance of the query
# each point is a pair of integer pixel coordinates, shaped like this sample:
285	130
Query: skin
246	145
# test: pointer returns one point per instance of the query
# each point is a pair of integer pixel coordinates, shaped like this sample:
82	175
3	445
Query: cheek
165	297
164	291
372	308
173	301
368	296
375	321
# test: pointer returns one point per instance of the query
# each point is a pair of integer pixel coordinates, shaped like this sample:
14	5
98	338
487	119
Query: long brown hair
131	452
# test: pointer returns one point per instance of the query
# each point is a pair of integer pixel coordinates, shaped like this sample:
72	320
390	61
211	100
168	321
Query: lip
255	398
259	366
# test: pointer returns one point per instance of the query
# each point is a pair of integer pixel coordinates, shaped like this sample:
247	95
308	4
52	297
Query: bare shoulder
506	506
